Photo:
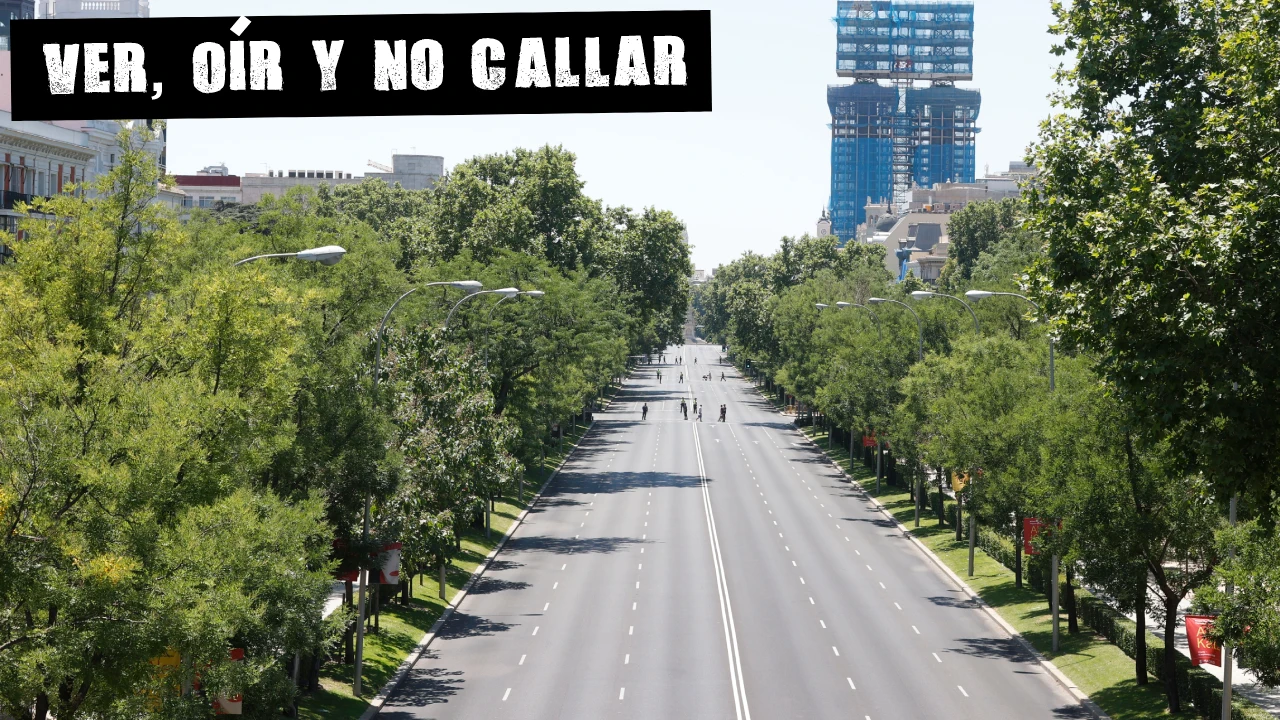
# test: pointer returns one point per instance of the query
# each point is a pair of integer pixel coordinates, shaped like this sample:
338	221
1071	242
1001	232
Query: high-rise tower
902	121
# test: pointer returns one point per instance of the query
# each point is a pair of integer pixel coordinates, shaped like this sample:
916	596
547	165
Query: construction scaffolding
885	139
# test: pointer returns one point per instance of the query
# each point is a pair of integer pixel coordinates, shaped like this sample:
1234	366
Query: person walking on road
684	409
699	416
681	377
695	404
723	410
644	412
721	376
659	376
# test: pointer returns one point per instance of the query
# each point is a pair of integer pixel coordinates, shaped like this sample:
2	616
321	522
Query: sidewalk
1245	682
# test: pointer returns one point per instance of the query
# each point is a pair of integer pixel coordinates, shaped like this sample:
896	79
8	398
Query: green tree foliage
979	226
138	402
1157	195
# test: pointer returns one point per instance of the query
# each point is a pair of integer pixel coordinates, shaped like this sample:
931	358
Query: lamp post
504	292
488	523
470	286
327	255
879	331
1053	562
920	334
925	295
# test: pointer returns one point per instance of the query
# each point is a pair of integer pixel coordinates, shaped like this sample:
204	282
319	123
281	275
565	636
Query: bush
1195	686
998	547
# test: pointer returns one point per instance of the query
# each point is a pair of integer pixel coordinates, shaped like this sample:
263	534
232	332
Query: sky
754	169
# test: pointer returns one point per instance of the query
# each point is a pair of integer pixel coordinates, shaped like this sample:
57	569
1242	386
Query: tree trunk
349	639
1017	541
959	518
1073	626
442	582
1140	642
1171	652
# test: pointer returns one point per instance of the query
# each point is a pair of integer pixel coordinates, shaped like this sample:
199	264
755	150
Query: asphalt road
685	569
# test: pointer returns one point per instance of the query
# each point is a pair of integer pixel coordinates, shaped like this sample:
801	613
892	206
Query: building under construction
902	123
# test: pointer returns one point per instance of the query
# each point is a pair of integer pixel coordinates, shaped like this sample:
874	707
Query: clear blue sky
754	169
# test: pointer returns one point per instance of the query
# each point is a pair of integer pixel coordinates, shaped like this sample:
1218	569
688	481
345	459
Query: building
824	224
81	9
889	138
13	10
40	159
210	186
924	234
700	277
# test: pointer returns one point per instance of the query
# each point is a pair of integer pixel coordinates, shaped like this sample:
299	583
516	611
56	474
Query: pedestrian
699	416
695	404
644	411
659	376
681	377
721	376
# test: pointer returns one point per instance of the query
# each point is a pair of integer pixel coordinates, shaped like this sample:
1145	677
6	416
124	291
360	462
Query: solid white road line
726	607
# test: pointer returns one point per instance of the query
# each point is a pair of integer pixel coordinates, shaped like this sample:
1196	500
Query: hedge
1195	686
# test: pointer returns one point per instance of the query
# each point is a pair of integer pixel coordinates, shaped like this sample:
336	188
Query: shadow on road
422	686
462	625
993	648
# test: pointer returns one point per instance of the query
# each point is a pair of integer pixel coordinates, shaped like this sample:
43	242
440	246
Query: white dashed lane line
506	695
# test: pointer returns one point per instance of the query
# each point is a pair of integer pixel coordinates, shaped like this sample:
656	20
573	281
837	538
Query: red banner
868	442
1030	529
1203	650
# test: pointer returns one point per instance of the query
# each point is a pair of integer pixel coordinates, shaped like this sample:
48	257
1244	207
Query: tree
1156	200
977	227
138	402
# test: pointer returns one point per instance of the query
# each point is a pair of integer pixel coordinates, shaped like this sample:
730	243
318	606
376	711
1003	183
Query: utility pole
1226	647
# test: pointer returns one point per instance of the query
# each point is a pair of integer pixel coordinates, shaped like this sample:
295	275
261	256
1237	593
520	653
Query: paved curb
375	705
991	612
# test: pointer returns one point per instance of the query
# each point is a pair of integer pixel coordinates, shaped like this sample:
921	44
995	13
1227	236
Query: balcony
9	198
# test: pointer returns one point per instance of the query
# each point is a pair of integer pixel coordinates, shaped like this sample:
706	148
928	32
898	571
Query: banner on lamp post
959	481
389	573
231	704
1031	528
1204	651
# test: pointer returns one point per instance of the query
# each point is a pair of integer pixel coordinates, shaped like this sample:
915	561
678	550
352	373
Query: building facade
888	132
80	9
13	10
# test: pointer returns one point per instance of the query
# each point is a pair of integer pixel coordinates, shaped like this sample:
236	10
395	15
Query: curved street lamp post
1053	563
920	333
471	287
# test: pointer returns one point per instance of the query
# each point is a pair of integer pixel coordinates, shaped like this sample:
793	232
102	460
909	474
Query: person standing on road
695	404
644	412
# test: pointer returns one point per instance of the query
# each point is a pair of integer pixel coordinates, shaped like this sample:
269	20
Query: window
186	201
206	201
113	158
226	199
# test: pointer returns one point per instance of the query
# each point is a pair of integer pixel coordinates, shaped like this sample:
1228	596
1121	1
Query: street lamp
327	255
925	295
919	325
470	286
879	331
504	292
530	293
920	333
1053	563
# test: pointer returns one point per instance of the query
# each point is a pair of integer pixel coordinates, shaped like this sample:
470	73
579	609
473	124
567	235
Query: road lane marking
787	548
834	650
824	625
641	566
631	629
851	685
882	587
793	564
622	693
637	584
935	657
741	708
522	657
811	602
962	692
633	606
555	585
535	630
564	566
627	660
869	568
544	607
506	695
913	627
897	606
802	581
